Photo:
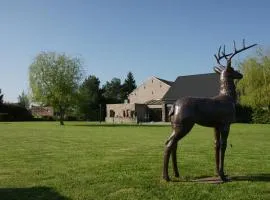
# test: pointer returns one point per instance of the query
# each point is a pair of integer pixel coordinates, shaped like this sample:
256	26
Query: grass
43	160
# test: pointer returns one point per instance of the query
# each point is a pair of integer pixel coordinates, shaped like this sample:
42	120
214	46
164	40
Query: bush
14	112
261	116
243	114
247	114
71	118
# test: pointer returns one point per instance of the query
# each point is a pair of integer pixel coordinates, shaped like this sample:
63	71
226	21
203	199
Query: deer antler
240	50
219	57
229	56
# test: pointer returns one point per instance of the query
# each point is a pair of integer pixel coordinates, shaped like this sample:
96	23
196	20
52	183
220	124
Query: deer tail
171	112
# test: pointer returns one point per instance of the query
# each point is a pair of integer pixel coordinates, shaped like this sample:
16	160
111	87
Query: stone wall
125	113
152	89
119	120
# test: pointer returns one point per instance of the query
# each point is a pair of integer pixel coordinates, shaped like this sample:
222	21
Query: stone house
143	104
42	111
152	100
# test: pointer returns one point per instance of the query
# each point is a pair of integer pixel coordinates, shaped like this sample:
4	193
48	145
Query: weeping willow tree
54	80
254	88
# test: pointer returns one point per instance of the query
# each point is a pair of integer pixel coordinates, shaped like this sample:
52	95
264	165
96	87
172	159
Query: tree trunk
61	122
62	113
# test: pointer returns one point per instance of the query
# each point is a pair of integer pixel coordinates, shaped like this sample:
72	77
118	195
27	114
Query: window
127	112
112	113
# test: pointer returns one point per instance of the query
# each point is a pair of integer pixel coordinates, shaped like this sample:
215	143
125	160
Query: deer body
204	111
217	112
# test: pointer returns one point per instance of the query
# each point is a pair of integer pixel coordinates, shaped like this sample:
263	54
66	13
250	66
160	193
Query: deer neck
227	87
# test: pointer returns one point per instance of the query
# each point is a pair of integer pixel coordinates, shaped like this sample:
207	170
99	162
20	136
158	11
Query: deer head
228	71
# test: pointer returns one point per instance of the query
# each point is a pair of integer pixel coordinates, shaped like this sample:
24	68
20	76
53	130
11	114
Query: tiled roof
154	102
201	85
165	81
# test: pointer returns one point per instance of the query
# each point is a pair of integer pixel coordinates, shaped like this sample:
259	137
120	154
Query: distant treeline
89	104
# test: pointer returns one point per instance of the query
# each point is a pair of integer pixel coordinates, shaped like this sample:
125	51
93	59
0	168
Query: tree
128	86
23	100
54	81
254	88
1	97
89	98
112	91
115	92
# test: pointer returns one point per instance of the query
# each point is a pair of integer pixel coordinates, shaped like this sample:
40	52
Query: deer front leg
223	145
217	149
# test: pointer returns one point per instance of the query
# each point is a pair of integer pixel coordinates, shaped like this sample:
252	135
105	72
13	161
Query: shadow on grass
120	125
201	179
1	122
215	179
252	177
33	193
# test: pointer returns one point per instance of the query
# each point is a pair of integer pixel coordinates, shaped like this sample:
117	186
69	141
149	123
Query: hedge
14	112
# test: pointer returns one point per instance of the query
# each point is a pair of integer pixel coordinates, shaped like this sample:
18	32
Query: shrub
261	116
14	112
243	114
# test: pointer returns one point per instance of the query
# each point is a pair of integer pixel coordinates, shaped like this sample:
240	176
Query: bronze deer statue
217	112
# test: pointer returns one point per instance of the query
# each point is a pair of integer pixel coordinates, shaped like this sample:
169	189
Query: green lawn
43	160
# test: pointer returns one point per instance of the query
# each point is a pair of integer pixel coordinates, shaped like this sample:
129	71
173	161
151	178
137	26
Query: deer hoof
224	178
166	178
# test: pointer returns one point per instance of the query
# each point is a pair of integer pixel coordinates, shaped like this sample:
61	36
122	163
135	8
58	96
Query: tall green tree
89	98
23	100
112	91
128	86
1	97
54	81
254	88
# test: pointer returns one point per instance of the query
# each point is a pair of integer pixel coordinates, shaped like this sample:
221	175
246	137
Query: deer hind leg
217	149
167	152
223	145
171	146
174	160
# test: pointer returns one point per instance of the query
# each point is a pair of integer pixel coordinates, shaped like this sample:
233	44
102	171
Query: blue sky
163	38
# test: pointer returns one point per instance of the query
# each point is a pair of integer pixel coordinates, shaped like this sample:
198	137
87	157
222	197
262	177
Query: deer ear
217	70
